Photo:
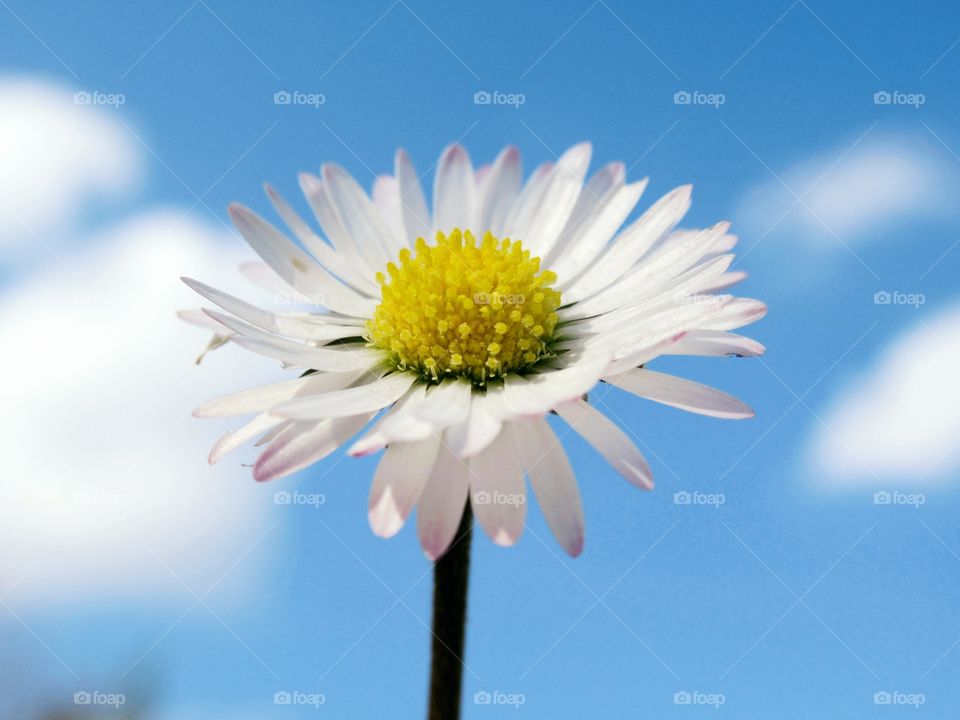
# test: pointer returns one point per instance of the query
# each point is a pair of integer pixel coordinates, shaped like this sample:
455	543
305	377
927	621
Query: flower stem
450	579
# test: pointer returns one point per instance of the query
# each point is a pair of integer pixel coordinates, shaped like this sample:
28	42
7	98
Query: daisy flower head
461	329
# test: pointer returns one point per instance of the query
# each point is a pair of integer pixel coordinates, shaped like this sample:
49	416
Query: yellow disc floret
462	308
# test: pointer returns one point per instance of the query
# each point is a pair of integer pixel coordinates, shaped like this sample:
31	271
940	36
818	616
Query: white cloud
105	488
900	421
849	192
56	155
101	453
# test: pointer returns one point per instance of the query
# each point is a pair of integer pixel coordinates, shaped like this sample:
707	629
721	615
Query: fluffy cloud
58	154
106	490
899	422
105	486
850	192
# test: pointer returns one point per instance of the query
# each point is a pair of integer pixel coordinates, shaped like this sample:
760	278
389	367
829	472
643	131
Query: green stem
450	579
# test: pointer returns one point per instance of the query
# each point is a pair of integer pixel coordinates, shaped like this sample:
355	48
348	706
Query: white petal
635	325
297	268
339	265
526	397
715	343
671	324
375	441
445	404
502	188
267	396
273	434
723	245
632	294
609	440
200	319
630	245
647	353
359	215
265	278
478	430
296	354
302	356
670	262
442	503
497	493
326	214
303	444
454	192
553	482
737	313
413	203
371	397
594	231
386	197
540	228
234	439
527	202
482	177
396	425
606	178
286	325
680	393
726	280
400	478
418	415
603	186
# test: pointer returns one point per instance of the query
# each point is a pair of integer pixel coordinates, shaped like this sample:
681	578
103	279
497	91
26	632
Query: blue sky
798	597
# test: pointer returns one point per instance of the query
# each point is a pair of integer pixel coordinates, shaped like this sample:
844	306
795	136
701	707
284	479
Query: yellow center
463	308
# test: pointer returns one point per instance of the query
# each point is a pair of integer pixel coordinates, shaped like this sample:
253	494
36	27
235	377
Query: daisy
468	326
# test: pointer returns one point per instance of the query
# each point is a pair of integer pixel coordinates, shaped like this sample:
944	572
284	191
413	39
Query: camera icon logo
482	97
282	497
82	698
481	498
882	698
882	297
282	697
82	98
482	697
682	698
682	97
882	497
282	97
682	498
882	97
